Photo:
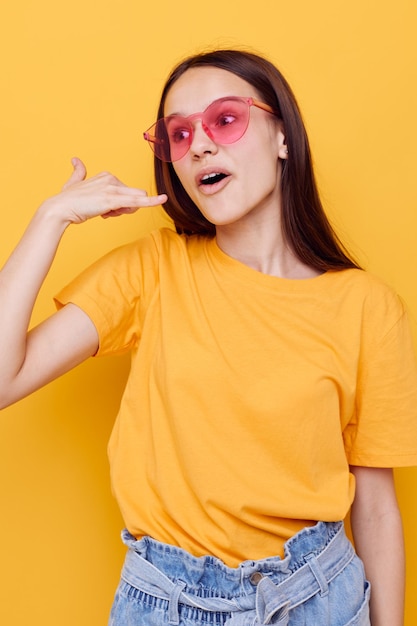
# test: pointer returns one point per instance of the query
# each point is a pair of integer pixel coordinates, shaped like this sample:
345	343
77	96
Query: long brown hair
304	222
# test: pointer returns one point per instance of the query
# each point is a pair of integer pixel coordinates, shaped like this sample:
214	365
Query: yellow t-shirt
249	395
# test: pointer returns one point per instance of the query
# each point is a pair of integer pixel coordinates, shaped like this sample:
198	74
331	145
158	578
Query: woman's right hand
102	195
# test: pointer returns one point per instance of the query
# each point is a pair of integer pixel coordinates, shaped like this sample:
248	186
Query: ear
282	145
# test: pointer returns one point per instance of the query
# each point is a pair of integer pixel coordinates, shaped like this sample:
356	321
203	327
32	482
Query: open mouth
211	179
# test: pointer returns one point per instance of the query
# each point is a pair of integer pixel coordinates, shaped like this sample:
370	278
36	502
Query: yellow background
83	78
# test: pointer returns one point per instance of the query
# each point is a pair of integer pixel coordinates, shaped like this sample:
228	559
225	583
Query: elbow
5	400
8	394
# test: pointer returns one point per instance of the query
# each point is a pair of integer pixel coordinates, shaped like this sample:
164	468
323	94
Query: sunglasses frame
249	101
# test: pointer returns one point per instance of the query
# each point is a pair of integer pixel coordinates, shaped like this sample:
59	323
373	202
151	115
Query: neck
262	248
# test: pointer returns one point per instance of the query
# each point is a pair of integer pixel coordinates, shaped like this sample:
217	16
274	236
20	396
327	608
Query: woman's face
248	187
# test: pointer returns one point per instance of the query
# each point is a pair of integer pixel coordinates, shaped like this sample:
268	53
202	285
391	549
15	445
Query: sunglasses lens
179	132
227	119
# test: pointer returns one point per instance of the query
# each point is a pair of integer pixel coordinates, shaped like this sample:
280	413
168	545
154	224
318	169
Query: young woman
273	382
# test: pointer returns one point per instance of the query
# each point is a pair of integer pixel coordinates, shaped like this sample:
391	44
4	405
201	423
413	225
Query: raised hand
103	195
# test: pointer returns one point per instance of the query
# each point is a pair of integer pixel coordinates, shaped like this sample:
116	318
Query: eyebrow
211	102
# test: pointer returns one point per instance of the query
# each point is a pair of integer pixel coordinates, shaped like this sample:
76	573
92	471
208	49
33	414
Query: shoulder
145	248
167	240
365	299
365	288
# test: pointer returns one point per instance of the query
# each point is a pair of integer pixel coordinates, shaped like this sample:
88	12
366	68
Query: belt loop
318	574
173	615
272	607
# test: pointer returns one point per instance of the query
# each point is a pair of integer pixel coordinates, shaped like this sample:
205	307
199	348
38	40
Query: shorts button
256	578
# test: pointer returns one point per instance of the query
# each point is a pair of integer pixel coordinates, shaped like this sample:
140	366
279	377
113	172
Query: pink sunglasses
225	121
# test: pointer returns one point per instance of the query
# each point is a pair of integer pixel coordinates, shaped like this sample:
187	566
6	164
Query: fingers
79	172
141	200
83	198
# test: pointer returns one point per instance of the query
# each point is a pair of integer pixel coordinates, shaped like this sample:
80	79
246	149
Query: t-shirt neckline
245	272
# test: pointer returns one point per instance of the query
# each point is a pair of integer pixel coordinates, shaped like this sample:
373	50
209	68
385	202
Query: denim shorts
319	582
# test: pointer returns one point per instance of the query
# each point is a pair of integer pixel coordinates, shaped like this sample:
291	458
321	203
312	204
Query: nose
202	143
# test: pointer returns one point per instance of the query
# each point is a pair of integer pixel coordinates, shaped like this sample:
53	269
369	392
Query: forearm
20	281
378	537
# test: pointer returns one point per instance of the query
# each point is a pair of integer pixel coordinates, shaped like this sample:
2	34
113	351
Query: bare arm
377	532
29	360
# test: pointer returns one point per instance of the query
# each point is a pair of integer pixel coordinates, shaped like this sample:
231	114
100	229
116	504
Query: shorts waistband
265	587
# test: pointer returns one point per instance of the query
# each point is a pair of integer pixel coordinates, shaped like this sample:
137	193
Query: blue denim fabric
319	582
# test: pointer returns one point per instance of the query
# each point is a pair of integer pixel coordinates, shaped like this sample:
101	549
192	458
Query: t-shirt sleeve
113	292
383	430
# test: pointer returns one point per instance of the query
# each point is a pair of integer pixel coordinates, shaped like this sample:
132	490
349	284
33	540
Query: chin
221	221
222	216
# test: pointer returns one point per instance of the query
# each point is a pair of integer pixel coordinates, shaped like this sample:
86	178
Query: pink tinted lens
227	119
224	121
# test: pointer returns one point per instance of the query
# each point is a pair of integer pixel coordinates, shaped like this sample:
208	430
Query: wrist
51	212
